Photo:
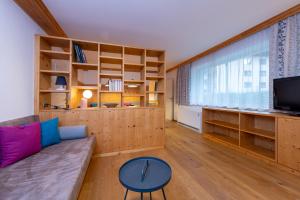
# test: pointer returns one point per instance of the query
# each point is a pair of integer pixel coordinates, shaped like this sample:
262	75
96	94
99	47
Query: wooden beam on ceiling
292	11
39	12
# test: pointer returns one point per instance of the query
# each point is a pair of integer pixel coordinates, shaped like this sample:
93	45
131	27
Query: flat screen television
286	94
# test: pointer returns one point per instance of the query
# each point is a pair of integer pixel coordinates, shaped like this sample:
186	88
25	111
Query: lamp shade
87	94
61	80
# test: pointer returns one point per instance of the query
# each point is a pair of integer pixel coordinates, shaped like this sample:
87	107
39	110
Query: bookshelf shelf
59	55
110	60
111	68
48	43
110	75
155	92
89	65
85	66
134	81
86	45
154	63
52	72
106	91
133	67
155	53
54	91
86	87
154	77
152	70
133	95
115	51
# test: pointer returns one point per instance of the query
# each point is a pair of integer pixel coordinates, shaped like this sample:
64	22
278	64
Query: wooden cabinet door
289	143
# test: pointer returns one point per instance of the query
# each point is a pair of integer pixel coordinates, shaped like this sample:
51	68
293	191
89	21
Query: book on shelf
115	85
79	54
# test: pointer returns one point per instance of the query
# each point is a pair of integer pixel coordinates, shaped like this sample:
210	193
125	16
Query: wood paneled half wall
117	130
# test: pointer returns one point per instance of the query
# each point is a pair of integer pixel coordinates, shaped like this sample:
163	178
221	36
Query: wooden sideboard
271	136
289	142
117	129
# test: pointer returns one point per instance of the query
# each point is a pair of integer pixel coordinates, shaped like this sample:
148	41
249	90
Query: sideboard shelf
223	124
224	138
261	133
252	132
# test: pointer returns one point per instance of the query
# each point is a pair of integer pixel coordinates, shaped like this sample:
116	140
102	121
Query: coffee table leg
162	189
150	196
141	196
126	194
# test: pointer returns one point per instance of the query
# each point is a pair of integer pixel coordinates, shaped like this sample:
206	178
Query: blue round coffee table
145	174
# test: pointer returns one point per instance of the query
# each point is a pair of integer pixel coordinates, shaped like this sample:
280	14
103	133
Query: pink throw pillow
18	142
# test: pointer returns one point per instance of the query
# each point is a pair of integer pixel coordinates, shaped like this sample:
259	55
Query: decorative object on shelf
61	82
94	104
110	105
129	104
133	85
87	94
50	106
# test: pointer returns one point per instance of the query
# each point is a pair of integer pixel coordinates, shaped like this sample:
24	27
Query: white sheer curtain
236	76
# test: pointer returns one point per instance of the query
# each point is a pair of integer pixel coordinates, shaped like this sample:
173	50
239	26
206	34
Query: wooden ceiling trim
292	11
39	12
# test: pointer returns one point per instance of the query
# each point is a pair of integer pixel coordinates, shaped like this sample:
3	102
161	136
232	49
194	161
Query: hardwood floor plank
201	170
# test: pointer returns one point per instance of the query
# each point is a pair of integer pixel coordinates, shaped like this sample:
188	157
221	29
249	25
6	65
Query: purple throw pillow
18	142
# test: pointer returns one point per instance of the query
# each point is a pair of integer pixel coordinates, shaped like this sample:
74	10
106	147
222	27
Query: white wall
16	61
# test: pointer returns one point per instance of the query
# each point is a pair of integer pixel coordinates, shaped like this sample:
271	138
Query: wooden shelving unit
140	71
251	131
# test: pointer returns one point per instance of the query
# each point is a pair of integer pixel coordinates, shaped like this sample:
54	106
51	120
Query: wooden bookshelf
138	99
252	132
136	68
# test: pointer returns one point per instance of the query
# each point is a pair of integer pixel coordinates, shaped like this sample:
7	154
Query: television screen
286	94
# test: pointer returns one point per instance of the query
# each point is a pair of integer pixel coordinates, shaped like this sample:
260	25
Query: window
236	76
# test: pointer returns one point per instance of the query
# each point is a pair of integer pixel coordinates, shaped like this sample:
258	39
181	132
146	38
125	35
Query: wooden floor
201	170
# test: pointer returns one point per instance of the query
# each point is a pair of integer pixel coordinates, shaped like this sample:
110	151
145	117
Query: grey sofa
56	172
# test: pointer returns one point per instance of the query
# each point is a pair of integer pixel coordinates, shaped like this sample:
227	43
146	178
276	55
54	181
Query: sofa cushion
72	132
18	142
55	172
50	134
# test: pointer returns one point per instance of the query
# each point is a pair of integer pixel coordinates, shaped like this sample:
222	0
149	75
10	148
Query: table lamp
61	82
87	94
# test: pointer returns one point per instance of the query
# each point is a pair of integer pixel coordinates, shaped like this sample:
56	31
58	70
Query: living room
150	100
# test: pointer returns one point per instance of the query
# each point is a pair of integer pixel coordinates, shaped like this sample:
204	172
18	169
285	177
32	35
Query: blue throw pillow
72	132
50	134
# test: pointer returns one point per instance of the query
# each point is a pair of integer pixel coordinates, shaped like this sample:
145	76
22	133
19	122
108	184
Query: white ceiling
183	28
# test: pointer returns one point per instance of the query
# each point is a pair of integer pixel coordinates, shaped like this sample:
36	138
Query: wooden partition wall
117	130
